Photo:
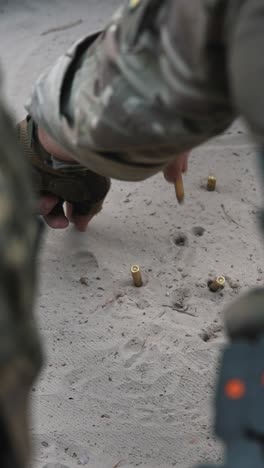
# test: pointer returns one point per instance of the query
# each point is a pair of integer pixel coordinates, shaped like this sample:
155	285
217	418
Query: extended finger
56	217
47	203
79	220
177	167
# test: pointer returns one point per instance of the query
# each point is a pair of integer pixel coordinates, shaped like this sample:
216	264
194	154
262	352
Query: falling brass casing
179	189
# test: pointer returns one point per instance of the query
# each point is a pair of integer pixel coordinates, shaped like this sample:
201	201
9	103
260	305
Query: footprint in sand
87	258
55	465
132	351
211	332
145	414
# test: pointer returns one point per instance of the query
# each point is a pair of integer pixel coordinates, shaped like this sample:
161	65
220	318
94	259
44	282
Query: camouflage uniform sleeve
152	85
245	37
20	351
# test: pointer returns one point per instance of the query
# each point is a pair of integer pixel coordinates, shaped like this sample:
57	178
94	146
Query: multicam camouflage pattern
149	87
20	353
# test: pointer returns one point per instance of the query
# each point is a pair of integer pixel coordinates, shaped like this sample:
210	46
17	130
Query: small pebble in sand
84	459
84	281
44	444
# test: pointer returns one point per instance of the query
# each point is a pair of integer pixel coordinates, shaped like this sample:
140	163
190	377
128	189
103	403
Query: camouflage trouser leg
20	353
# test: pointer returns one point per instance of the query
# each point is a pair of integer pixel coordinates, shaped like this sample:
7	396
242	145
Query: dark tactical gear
239	399
20	353
72	183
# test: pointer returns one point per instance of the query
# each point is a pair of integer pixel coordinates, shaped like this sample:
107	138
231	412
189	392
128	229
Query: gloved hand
56	183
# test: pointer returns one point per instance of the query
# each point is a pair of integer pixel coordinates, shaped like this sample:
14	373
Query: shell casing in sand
217	284
136	275
211	183
179	189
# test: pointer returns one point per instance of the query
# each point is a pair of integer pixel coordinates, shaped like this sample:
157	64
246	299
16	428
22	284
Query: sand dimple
198	231
181	240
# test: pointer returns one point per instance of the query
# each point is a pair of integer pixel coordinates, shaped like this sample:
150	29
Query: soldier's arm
151	86
245	37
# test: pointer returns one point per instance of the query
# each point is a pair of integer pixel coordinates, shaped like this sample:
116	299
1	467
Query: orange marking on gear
235	389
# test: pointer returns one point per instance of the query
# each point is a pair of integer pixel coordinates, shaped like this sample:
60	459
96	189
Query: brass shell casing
211	183
136	275
217	284
179	189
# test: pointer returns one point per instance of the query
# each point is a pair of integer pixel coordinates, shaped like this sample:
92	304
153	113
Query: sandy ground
130	373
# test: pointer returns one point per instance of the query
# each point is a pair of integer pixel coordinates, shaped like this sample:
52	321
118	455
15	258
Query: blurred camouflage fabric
20	353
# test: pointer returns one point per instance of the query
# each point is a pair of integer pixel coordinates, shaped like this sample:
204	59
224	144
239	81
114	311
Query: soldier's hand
53	212
71	195
173	174
177	167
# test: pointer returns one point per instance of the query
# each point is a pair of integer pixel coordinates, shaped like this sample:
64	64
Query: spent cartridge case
136	275
217	284
211	183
